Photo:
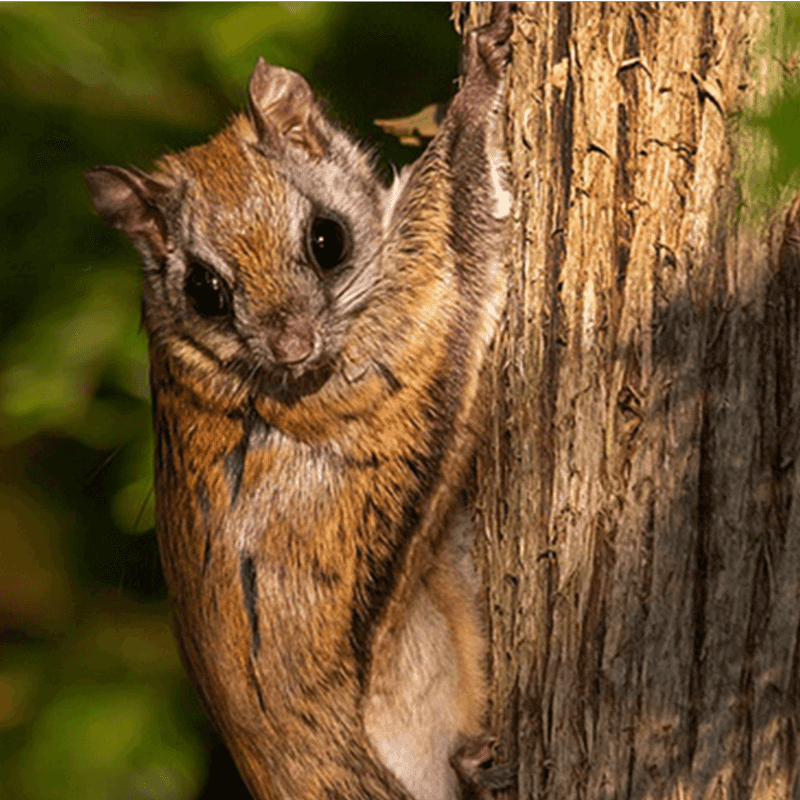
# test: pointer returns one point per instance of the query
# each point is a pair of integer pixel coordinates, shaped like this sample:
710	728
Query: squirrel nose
293	341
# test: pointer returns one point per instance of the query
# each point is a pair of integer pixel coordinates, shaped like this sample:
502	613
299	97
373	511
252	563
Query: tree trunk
637	490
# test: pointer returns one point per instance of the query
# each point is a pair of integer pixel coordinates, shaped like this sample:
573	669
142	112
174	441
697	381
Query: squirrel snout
292	340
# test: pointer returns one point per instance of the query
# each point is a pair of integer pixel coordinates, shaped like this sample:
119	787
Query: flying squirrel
316	344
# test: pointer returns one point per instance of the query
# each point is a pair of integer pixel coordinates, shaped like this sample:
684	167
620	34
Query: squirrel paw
488	48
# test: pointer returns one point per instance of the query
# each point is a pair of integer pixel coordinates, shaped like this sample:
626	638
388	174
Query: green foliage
93	701
111	724
767	141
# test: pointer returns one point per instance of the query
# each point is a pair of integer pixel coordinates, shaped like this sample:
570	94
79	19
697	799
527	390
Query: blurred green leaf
55	363
109	743
767	143
112	726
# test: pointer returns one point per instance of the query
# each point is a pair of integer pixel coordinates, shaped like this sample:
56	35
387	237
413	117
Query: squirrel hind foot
478	775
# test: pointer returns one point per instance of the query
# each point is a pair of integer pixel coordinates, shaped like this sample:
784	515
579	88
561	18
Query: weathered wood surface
638	486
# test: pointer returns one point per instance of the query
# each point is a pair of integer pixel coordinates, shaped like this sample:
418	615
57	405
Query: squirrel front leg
470	151
315	356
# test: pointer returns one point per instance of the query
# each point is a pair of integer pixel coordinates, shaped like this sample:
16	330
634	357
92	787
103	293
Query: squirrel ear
127	199
283	112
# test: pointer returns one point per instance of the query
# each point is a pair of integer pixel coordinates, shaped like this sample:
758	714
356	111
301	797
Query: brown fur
305	510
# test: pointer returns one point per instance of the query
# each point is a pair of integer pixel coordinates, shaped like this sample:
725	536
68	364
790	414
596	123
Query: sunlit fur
323	598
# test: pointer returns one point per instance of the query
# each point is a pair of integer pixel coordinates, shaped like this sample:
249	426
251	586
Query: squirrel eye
207	292
328	242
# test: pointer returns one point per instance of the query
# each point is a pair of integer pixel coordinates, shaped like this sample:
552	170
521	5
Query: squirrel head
258	247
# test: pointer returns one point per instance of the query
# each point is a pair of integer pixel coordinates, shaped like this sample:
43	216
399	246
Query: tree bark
642	542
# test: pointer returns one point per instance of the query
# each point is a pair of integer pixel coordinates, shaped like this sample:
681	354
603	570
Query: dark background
93	700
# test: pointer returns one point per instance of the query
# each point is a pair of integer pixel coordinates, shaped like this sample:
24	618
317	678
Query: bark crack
700	582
